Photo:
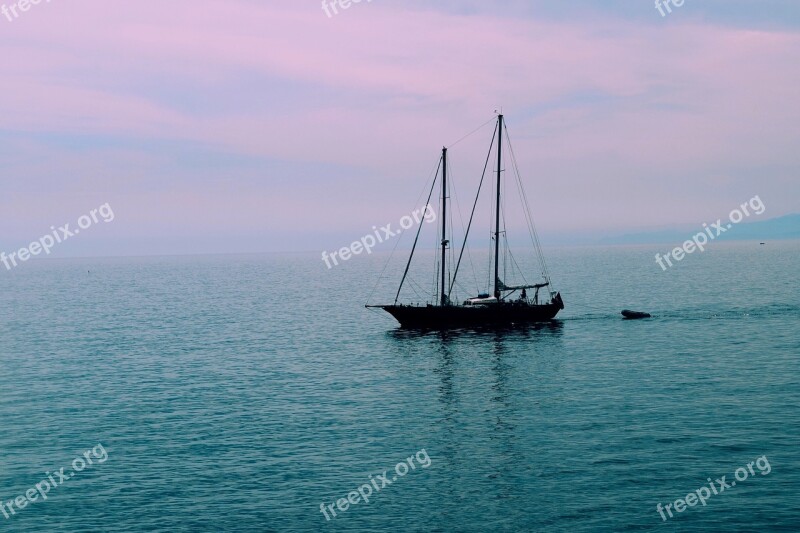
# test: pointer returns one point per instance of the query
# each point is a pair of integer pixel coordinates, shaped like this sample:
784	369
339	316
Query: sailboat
508	305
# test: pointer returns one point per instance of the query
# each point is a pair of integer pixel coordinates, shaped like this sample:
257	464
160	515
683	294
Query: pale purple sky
266	125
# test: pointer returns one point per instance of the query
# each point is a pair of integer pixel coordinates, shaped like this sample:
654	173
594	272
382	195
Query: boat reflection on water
484	389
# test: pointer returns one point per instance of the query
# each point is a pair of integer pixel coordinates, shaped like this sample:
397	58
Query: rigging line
419	228
380	277
454	206
506	252
452	248
533	234
452	230
472	215
436	271
412	284
536	241
460	286
382	314
503	210
529	217
521	272
490	258
473	131
472	267
523	200
436	258
526	209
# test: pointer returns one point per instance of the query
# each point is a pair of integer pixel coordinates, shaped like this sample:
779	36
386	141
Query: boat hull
437	317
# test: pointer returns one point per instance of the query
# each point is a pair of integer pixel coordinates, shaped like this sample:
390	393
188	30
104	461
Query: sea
257	393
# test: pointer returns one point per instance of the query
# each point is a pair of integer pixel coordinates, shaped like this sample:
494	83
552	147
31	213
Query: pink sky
257	126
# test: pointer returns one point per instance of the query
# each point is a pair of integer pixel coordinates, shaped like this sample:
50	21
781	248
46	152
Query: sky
265	125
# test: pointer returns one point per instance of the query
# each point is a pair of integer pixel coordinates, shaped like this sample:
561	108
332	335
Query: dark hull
435	317
634	315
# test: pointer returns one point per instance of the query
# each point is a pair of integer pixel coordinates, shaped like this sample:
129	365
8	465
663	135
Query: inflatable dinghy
634	314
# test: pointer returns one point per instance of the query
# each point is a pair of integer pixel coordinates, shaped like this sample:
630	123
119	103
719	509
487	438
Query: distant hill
785	227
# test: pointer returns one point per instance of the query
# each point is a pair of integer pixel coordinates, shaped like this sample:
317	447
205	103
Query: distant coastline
786	227
780	228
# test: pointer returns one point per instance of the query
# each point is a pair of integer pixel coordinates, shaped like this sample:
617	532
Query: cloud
630	114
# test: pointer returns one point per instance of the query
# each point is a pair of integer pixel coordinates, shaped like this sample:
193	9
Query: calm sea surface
238	393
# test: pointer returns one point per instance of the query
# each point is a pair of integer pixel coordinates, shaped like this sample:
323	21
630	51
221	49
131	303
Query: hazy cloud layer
267	125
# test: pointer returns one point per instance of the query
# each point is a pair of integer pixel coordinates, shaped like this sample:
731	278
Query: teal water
238	393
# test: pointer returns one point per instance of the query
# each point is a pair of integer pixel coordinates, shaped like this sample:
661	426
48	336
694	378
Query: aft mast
497	212
443	299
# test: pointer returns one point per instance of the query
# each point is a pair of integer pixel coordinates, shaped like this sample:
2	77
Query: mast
497	212
443	299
